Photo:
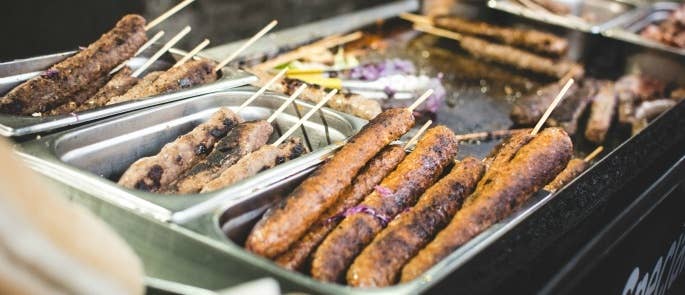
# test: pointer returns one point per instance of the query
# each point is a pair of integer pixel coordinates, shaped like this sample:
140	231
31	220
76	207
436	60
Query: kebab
371	175
283	225
380	263
511	179
533	40
243	139
601	113
574	168
266	156
399	190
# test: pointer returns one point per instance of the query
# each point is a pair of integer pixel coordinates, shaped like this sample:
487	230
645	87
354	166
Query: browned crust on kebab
78	98
372	174
517	58
380	263
243	139
189	74
154	172
65	78
418	171
281	226
601	113
137	90
533	166
118	85
574	168
266	157
534	40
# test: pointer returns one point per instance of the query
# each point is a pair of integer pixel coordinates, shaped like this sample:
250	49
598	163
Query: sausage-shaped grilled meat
537	41
574	168
380	263
78	98
155	172
418	171
243	139
601	114
137	90
266	157
517	58
281	226
62	80
346	103
372	174
533	166
529	109
118	85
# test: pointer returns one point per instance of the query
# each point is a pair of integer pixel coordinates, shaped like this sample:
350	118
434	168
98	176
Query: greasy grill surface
64	79
418	171
284	224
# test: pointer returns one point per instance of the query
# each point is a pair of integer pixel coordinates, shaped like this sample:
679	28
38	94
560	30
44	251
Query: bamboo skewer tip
420	100
167	14
306	117
249	42
552	106
593	154
416	136
261	90
192	52
290	99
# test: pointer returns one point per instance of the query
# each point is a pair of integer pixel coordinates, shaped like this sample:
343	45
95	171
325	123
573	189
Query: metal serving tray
91	158
654	13
592	16
14	72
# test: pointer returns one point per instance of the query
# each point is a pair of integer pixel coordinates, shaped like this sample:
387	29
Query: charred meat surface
78	98
154	172
601	113
243	139
380	263
57	84
399	190
282	225
118	85
371	175
533	166
266	157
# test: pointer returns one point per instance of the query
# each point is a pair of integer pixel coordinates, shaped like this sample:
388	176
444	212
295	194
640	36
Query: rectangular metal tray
630	30
606	13
91	158
14	72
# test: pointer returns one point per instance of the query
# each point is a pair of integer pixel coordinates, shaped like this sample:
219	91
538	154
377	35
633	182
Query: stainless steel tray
91	158
630	30
605	13
14	72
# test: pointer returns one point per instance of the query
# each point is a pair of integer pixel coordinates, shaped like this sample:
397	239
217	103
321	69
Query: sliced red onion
383	191
359	209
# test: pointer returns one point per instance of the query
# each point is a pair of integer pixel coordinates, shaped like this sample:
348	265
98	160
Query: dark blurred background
32	27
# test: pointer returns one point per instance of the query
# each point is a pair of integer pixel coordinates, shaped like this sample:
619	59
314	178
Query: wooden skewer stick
438	32
261	90
551	107
167	14
306	50
249	42
161	51
420	100
487	134
416	136
140	50
290	99
192	53
417	19
593	154
306	116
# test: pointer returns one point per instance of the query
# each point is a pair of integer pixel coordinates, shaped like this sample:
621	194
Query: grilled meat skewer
533	40
529	109
380	263
282	225
62	80
265	157
533	166
154	172
372	174
118	85
574	168
78	98
240	141
399	190
137	90
601	113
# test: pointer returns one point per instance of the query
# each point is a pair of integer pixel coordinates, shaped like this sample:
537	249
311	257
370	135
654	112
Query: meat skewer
529	109
371	175
266	156
399	190
574	168
154	172
505	55
192	53
243	139
601	113
552	106
140	50
283	225
380	263
497	196
307	50
161	51
75	73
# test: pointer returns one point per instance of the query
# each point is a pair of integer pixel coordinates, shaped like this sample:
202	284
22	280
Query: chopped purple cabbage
373	71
